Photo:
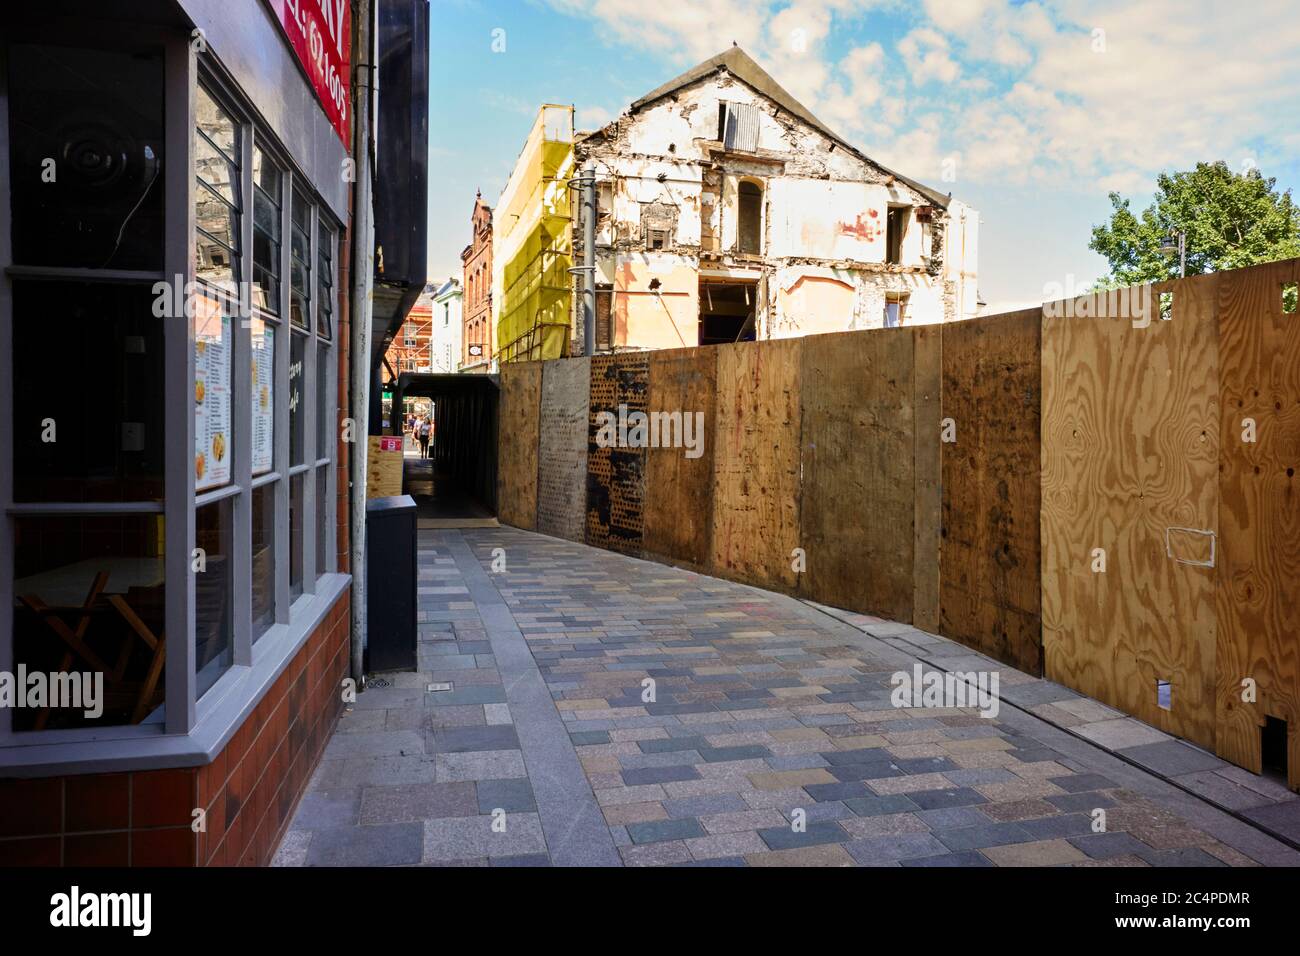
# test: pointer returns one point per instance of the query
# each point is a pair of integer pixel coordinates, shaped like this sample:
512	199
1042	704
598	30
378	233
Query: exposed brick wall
249	791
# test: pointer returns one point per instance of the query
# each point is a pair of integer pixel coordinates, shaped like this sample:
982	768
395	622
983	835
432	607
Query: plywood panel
927	406
756	462
562	448
679	488
1130	429
616	473
990	570
1258	594
858	505
517	433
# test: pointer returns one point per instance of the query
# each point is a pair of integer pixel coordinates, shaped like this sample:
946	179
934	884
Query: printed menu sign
263	397
212	350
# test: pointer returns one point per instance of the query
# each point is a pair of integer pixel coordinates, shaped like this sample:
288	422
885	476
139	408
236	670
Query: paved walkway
766	713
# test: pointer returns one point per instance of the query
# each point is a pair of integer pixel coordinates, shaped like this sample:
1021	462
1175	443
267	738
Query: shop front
174	561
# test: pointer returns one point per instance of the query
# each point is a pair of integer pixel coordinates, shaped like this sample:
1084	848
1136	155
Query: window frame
207	721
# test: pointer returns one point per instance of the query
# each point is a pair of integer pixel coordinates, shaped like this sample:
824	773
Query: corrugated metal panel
741	130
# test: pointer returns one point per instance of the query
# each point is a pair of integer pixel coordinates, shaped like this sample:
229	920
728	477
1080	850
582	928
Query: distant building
478	340
726	211
447	328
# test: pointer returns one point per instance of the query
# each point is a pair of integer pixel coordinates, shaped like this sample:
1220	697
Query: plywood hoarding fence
1100	495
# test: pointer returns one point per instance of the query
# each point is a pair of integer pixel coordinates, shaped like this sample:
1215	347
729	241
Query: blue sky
1040	108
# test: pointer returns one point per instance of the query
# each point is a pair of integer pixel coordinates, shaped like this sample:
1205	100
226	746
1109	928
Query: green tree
1230	220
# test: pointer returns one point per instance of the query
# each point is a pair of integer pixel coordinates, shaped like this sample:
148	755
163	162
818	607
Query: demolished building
727	211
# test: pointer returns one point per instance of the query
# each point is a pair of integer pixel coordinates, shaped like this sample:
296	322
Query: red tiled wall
249	791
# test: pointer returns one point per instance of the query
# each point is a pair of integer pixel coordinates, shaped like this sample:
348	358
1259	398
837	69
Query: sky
1032	112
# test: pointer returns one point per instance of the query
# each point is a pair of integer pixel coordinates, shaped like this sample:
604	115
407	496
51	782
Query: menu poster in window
263	398
212	350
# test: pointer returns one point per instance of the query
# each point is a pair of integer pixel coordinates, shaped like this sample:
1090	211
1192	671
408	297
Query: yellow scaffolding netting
532	251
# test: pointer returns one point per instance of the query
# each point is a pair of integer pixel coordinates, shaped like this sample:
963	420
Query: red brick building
479	338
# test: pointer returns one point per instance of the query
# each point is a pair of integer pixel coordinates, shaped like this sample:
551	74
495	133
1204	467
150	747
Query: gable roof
740	65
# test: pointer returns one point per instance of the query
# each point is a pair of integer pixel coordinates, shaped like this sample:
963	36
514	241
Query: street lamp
1177	242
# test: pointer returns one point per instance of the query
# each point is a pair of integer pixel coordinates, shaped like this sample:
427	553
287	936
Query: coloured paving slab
547	748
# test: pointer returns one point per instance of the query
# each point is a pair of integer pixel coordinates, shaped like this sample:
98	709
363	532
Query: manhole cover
437	686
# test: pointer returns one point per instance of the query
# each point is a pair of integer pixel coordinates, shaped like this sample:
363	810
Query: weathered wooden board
756	463
517	434
1258	557
990	569
1130	434
858	504
927	404
562	448
679	484
616	471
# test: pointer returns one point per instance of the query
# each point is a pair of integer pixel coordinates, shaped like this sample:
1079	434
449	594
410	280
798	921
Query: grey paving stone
322	809
462	838
705	805
392	844
1065	825
1173	757
837	791
967	858
1083	802
657	831
646	775
1186	856
532	859
877	806
473	694
785	838
904	846
416	801
1283	818
952	818
379	744
1103	846
925	765
470	739
464	715
986	834
672	744
1079	782
480	765
940	799
512	795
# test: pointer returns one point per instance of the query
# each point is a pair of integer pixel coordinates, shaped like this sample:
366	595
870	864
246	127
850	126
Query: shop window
325	283
89	603
324	515
213	590
86	156
217	201
296	535
93	431
325	423
300	262
267	180
297	405
263	558
749	218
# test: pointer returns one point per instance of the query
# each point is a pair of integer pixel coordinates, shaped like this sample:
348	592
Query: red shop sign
390	443
320	32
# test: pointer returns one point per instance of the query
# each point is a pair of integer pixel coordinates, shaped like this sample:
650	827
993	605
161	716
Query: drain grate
378	682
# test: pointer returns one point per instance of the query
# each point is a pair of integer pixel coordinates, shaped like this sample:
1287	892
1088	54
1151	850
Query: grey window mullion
241	418
280	439
178	378
6	410
309	419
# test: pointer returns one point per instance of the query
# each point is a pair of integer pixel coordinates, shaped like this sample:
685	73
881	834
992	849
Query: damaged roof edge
742	66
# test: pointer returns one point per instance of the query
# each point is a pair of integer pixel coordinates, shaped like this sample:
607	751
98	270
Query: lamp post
1177	242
